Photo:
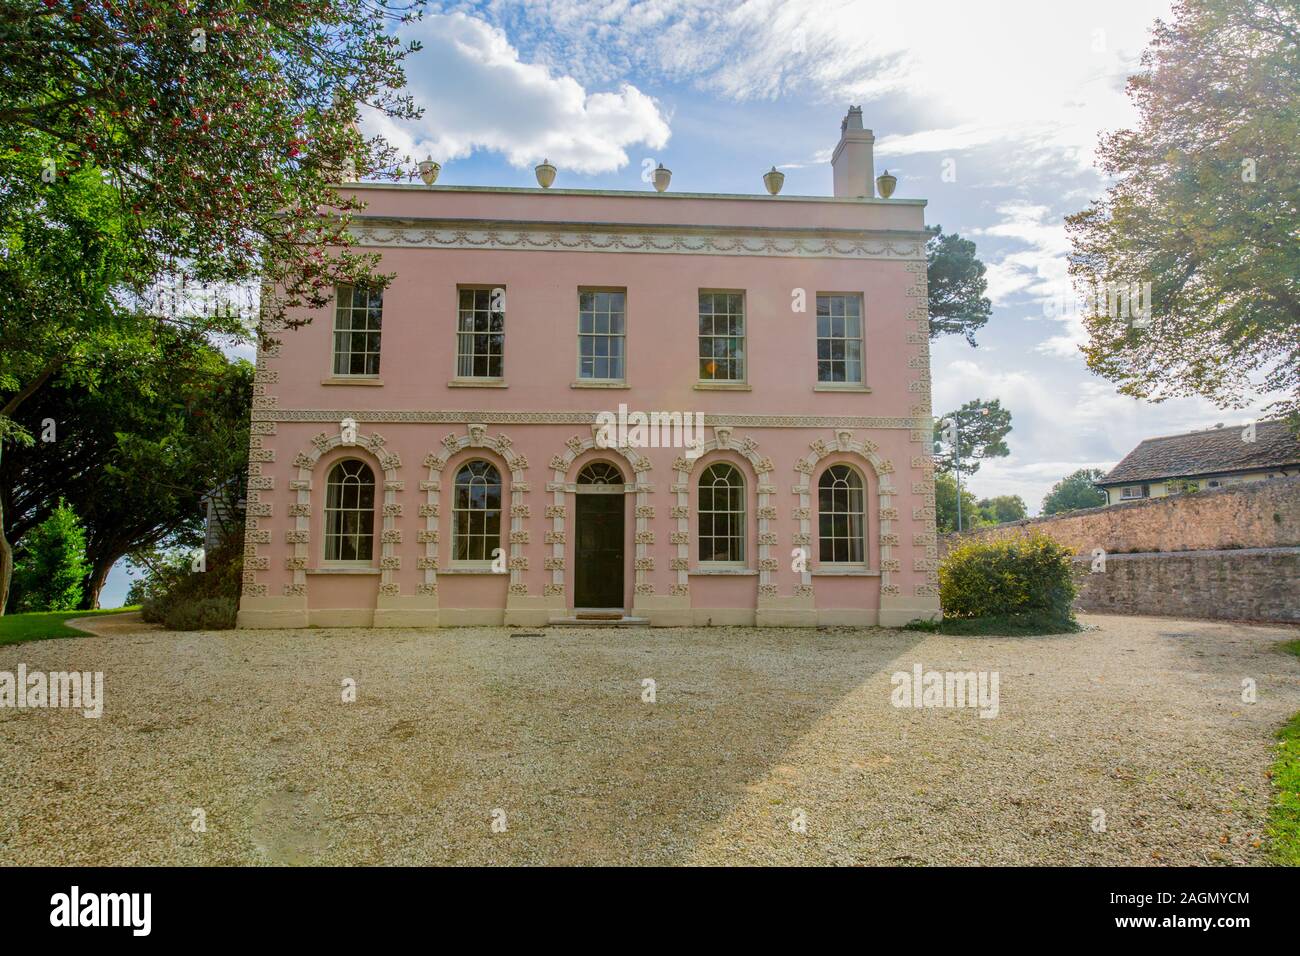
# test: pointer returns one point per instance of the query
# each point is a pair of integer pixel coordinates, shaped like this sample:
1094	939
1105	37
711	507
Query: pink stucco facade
417	423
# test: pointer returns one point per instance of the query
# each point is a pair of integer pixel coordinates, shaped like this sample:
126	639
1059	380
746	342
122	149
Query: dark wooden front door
599	553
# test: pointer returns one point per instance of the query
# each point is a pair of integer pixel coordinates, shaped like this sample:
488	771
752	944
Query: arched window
476	512
350	511
841	518
722	514
600	473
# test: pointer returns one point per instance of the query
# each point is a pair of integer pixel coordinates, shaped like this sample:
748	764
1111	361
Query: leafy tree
1003	508
982	428
945	506
136	454
191	144
1204	208
1075	491
222	125
62	256
957	286
52	565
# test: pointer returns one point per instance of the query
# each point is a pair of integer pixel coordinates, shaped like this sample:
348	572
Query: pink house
508	433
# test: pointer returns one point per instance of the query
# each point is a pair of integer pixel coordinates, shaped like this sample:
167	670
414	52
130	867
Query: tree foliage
52	566
1003	508
136	453
221	125
945	506
982	428
1075	491
957	286
1204	209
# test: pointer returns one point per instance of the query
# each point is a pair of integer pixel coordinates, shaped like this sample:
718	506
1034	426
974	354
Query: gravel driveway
546	736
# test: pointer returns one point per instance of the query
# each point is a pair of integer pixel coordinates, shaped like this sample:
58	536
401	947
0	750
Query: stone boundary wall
1261	514
1251	584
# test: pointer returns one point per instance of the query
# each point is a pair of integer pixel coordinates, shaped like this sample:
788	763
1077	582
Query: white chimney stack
854	162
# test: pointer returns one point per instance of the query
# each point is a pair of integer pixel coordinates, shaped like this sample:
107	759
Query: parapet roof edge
634	193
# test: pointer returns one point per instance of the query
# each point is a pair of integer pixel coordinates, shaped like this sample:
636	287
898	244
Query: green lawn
1284	821
16	628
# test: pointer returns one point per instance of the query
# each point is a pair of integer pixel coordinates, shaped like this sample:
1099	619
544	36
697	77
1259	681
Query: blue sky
990	111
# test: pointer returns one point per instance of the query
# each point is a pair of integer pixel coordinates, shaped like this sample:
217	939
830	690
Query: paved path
128	622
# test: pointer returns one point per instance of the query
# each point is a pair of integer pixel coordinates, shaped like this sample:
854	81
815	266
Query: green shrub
201	614
1029	578
51	566
180	598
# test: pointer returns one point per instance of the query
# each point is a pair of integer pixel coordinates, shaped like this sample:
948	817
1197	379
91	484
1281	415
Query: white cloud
1031	72
1059	427
1040	270
478	93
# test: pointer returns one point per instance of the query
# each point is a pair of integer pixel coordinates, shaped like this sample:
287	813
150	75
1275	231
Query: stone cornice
437	417
653	238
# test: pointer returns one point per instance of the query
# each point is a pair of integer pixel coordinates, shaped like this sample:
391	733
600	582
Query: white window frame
860	338
456	510
350	311
741	516
368	535
712	335
861	515
608	336
464	358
